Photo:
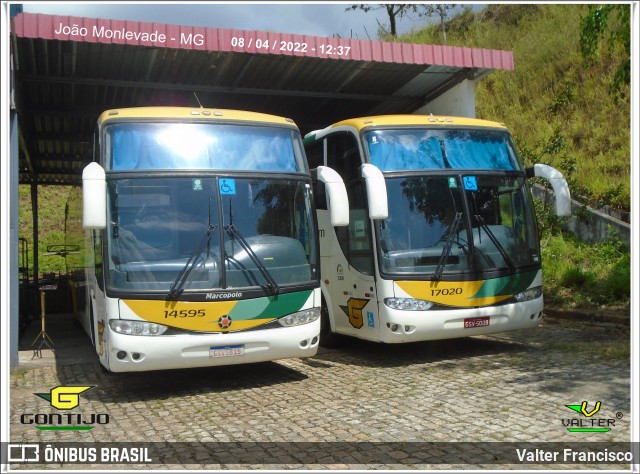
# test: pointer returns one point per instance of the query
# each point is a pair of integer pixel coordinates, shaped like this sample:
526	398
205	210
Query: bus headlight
528	295
136	328
408	304
301	317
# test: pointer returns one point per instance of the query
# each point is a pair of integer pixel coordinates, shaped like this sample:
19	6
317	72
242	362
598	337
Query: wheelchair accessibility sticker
227	186
470	183
371	319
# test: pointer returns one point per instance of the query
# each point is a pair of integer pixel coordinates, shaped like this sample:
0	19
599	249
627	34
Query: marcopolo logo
64	397
587	423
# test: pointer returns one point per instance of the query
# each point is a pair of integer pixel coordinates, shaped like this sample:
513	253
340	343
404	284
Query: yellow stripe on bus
449	293
191	316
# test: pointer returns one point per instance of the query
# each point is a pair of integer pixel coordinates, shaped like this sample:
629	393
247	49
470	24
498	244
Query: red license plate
476	322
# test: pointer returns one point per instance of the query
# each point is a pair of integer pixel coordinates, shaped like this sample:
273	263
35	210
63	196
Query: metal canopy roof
67	70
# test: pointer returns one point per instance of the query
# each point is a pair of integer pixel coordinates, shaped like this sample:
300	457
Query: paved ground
363	406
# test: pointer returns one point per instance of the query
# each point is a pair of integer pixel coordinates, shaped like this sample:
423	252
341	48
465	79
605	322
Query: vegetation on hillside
51	205
560	106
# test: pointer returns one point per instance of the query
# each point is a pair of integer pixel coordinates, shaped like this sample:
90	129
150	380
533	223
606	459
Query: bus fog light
408	304
300	317
528	295
121	355
136	328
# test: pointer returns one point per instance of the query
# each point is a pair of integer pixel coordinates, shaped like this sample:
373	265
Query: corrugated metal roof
68	70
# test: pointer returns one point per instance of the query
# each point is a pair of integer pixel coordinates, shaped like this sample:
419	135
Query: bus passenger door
353	299
355	306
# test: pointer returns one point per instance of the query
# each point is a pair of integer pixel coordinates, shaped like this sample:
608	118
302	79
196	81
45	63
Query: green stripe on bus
271	306
509	285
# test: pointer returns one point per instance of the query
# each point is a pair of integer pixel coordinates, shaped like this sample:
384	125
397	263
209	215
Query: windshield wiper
495	241
177	286
234	233
453	230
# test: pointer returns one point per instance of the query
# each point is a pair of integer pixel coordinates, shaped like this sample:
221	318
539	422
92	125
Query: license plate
476	322
226	351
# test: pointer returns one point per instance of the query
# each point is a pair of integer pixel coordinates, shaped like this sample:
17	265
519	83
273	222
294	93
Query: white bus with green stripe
201	240
442	240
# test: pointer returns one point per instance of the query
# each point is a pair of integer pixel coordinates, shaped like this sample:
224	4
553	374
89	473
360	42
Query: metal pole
14	228
36	268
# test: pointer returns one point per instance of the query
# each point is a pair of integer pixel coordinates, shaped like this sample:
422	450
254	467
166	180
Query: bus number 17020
446	292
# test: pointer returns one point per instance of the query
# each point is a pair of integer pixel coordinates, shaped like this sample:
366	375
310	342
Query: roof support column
14	228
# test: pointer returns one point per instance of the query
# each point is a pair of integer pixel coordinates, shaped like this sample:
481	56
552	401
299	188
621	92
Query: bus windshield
192	146
446	223
418	149
177	233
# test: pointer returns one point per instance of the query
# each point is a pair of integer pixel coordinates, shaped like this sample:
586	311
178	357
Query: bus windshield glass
193	146
169	234
447	223
422	149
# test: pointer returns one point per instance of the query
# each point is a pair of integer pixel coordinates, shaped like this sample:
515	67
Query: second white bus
442	240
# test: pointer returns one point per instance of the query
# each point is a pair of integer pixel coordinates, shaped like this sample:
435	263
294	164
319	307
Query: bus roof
407	119
191	113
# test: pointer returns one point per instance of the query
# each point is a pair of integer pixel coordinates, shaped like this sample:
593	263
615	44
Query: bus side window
355	239
97	256
315	154
343	156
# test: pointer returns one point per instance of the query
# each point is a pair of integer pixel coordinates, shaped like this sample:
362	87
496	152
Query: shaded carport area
65	71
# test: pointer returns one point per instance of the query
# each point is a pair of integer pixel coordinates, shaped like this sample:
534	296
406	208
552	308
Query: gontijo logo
64	397
588	424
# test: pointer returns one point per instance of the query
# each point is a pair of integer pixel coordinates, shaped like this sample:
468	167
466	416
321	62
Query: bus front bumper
128	353
412	326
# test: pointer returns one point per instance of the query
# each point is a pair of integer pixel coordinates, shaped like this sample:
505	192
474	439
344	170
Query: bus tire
328	338
103	368
91	325
93	340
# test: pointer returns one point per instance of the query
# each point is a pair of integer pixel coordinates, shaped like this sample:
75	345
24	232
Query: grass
581	275
51	224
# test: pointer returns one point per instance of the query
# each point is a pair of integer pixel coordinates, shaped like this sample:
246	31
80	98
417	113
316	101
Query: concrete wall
600	226
459	101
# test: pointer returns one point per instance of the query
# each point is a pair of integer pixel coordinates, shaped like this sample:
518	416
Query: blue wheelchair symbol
470	183
227	186
371	319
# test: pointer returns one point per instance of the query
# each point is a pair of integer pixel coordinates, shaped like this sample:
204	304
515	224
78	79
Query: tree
615	19
441	10
394	11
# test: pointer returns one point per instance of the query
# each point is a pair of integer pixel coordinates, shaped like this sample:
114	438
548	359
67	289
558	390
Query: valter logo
64	397
588	423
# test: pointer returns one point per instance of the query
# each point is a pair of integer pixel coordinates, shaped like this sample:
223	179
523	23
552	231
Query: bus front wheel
328	338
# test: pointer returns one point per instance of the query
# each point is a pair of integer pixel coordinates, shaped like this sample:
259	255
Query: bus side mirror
336	192
376	191
94	197
559	185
